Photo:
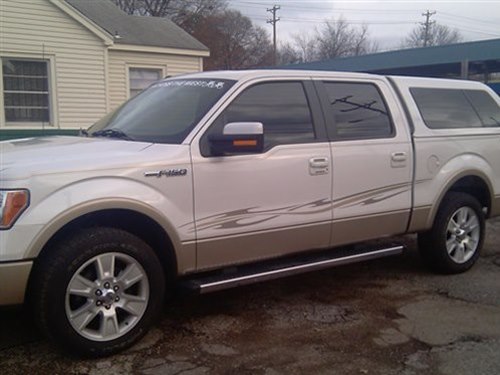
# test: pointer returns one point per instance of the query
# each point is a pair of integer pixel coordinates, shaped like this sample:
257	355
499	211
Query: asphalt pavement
389	316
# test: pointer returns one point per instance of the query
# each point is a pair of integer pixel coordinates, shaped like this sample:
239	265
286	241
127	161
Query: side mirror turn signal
238	138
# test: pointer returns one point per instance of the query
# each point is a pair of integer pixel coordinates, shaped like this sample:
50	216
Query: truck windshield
163	113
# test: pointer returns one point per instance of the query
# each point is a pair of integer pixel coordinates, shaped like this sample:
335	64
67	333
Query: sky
388	21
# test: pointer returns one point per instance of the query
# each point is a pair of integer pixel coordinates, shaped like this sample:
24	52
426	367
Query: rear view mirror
238	138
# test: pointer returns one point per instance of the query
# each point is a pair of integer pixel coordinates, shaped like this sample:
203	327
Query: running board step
281	268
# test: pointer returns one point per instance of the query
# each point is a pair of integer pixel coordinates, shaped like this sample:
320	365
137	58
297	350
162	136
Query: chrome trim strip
294	270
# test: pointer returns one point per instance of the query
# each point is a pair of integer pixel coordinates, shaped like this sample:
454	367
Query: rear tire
454	242
98	291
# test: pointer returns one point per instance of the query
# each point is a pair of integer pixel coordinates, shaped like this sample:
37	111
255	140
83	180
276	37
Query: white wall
121	61
38	29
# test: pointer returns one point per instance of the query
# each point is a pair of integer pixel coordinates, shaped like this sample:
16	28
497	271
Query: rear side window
358	110
452	108
282	107
487	109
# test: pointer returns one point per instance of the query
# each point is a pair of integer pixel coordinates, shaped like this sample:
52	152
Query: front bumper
14	281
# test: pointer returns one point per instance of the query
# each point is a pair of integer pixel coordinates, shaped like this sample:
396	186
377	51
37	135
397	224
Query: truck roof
436	82
260	73
269	73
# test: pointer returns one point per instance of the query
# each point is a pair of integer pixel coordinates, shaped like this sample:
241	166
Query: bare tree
336	38
288	54
191	12
234	41
185	13
128	6
362	44
306	45
436	35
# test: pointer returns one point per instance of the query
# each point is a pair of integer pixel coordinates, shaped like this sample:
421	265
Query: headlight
12	205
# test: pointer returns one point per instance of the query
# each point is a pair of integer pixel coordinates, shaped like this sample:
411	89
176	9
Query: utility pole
427	25
273	22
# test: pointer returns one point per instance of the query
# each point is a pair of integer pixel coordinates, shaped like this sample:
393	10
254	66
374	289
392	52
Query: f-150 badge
167	173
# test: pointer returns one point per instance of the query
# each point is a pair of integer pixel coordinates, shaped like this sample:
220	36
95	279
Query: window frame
317	118
128	66
331	125
51	88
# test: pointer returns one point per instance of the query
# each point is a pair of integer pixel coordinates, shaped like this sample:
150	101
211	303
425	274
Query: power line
253	4
380	23
427	25
468	22
470	18
323	20
465	24
312	9
461	28
273	22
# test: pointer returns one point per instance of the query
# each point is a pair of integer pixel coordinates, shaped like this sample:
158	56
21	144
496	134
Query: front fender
79	198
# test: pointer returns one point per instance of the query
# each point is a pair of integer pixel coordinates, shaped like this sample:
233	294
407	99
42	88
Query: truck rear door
371	159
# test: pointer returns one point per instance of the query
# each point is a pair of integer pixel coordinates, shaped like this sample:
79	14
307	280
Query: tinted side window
487	109
282	108
359	111
445	108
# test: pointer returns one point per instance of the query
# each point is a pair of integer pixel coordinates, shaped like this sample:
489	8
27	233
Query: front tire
454	242
98	291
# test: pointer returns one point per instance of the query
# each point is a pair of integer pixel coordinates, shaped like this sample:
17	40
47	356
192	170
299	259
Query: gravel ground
389	316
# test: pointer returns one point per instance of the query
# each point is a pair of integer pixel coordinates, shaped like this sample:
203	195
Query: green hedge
6	134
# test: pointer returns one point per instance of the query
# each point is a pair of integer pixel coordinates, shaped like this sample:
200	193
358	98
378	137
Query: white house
66	63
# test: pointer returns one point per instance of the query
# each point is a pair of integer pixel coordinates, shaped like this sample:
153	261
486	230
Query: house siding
38	29
121	61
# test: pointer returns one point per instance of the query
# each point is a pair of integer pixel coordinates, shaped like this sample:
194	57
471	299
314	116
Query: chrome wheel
463	235
107	296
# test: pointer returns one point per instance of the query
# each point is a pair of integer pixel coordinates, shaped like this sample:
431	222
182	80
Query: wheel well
133	222
476	187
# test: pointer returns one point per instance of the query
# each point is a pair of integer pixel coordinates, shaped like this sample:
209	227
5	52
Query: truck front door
256	206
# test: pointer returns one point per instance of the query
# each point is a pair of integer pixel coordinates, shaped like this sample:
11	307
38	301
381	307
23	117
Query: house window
26	90
141	78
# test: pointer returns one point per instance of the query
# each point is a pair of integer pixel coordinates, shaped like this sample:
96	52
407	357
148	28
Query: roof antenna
117	36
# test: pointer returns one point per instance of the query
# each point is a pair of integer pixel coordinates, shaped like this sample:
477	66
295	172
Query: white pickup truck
224	178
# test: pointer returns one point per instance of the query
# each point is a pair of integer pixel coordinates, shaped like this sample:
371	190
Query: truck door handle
318	165
398	159
318	162
398	156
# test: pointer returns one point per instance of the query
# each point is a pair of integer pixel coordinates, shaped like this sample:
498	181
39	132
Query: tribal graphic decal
250	216
371	196
245	217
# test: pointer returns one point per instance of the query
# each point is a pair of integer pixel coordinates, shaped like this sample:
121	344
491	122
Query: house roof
135	30
485	50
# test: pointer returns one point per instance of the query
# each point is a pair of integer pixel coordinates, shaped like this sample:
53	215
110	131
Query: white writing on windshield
192	83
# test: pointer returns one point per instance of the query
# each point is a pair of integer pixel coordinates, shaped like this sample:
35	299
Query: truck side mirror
238	138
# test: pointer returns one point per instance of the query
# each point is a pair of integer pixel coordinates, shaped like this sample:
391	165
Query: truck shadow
17	327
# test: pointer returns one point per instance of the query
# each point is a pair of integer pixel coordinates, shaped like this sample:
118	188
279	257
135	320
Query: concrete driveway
390	316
